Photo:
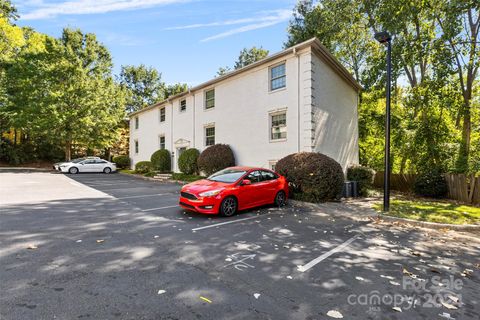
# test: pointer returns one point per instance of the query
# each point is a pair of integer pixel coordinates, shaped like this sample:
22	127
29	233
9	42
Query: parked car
90	164
57	164
233	189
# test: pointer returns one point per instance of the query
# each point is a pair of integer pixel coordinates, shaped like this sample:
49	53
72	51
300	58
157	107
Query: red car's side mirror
246	182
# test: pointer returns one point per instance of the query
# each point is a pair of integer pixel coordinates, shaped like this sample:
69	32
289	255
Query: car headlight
210	193
62	166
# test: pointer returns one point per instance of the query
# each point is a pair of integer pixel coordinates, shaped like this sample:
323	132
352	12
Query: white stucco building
300	99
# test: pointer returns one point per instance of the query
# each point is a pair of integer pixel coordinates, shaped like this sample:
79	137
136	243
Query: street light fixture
385	38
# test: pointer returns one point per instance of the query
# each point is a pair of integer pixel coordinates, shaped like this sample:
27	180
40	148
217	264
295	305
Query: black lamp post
385	38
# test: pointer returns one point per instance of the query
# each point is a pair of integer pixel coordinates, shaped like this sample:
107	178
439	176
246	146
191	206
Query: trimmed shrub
143	167
431	184
363	175
312	176
187	162
161	160
215	158
122	161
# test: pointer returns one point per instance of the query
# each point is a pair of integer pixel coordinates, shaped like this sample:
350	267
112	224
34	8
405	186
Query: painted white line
327	254
161	208
147	195
228	222
104	184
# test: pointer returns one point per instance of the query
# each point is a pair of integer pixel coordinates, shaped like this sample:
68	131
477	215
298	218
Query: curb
25	169
431	225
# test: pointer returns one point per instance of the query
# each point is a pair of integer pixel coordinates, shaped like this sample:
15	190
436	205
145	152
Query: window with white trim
209	136
162	114
136	122
161	142
210	99
278	126
183	105
136	146
278	78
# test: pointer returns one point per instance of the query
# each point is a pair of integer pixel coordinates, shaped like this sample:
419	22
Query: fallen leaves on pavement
335	314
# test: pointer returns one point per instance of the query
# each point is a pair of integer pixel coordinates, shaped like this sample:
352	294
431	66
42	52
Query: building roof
320	49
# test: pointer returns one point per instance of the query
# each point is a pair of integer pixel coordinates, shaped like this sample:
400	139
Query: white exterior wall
241	116
335	115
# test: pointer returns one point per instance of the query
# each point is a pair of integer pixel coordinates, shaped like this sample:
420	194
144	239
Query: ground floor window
161	142
278	126
136	146
210	135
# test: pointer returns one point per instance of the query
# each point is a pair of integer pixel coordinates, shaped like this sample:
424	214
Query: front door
249	195
179	153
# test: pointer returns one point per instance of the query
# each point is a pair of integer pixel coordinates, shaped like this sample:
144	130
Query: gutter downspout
171	136
298	98
193	109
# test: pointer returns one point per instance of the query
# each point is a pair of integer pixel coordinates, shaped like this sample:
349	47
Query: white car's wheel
107	170
73	170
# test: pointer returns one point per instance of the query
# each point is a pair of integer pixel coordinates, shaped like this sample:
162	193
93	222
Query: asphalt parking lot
96	246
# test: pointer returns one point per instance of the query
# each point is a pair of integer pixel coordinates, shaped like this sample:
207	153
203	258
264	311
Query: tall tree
144	86
66	93
173	89
341	27
7	10
459	22
249	56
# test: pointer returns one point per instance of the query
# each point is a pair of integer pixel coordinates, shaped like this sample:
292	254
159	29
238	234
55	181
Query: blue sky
186	40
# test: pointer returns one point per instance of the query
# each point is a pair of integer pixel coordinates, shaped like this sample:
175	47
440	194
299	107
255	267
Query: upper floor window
162	114
136	122
136	146
278	123
210	99
161	142
277	77
209	136
183	105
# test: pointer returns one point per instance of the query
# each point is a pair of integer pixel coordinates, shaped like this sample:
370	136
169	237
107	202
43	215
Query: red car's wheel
280	198
228	207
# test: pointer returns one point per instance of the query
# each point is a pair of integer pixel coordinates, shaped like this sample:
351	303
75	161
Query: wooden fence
398	181
461	187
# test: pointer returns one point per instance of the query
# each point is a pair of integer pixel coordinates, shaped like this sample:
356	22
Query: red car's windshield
227	175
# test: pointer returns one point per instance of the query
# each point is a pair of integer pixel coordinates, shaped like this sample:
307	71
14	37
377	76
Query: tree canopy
245	57
435	74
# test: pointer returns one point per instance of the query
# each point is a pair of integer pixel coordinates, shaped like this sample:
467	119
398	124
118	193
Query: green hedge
187	162
431	184
312	176
216	158
161	160
363	175
122	161
143	167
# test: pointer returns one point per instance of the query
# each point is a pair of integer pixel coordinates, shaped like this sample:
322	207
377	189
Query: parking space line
146	195
327	254
160	208
228	222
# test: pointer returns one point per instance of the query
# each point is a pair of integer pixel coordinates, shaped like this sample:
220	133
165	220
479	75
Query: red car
233	189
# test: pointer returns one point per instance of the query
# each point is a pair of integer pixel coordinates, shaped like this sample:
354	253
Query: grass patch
186	177
440	212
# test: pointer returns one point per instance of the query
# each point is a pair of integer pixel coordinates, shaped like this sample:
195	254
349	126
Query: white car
87	165
57	164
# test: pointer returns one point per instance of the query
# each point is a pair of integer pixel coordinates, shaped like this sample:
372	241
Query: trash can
350	189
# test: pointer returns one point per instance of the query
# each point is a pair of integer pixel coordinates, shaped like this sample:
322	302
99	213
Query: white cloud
271	17
45	11
259	23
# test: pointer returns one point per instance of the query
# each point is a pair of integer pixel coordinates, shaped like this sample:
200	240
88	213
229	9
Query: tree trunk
68	150
466	131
